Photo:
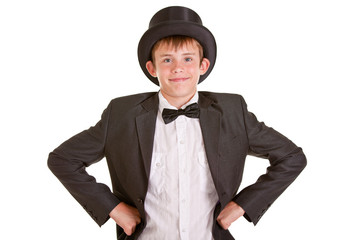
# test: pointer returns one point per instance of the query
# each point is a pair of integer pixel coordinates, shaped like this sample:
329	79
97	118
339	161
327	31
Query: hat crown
171	14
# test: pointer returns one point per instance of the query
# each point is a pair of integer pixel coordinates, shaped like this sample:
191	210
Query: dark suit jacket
125	136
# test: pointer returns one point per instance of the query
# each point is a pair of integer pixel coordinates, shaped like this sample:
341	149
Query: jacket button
140	200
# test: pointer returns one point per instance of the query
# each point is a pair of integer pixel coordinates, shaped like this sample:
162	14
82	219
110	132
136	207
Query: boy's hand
126	216
230	214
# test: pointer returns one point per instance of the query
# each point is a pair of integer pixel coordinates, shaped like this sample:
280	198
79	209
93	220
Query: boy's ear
151	68
204	66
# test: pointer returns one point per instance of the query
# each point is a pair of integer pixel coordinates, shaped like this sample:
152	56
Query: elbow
302	159
299	162
55	164
302	162
295	162
51	162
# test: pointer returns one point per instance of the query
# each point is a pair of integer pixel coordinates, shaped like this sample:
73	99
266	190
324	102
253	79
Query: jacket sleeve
286	162
68	163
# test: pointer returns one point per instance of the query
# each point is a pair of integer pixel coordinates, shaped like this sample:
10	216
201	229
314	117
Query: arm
68	163
286	163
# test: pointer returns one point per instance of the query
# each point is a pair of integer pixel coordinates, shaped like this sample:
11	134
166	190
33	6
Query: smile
178	79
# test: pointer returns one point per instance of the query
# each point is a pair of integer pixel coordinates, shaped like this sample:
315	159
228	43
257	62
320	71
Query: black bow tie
191	111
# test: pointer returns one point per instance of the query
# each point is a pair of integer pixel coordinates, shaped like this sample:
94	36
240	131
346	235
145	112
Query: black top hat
172	21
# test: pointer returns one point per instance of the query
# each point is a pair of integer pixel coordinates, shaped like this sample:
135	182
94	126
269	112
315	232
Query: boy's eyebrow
189	53
169	54
165	55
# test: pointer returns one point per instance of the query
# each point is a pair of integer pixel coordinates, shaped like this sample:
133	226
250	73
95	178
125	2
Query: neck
177	101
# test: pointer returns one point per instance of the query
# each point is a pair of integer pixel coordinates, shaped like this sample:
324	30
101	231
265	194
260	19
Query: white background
297	63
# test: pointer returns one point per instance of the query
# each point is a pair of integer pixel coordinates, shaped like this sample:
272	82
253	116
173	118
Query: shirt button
158	164
182	141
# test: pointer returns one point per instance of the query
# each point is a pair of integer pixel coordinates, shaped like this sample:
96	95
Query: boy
176	157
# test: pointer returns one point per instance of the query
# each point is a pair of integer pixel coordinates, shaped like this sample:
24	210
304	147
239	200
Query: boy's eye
188	59
167	60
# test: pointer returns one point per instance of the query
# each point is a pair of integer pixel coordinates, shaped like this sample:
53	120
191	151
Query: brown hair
176	42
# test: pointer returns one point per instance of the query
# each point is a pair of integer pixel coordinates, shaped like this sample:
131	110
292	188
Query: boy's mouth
178	79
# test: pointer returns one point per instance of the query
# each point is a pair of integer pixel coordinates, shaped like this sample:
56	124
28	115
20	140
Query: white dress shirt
181	196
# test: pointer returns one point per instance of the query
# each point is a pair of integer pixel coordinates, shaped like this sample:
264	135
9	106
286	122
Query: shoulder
134	98
131	101
222	98
132	104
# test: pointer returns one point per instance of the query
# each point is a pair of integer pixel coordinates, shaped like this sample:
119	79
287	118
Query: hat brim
171	28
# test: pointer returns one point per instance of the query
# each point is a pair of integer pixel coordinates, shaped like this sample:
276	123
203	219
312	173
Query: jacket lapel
210	127
145	124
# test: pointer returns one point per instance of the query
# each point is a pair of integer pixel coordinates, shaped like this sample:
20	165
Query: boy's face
178	71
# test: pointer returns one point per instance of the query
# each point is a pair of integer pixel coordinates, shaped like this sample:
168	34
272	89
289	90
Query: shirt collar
163	103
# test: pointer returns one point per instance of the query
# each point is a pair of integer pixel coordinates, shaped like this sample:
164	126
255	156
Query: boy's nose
178	67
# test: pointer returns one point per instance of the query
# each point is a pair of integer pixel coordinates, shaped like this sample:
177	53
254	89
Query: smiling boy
176	157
